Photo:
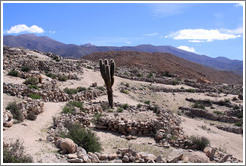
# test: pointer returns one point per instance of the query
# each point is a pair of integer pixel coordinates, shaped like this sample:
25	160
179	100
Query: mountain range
46	44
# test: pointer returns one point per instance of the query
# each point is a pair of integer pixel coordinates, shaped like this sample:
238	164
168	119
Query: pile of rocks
166	121
14	59
50	92
8	120
232	129
195	112
29	109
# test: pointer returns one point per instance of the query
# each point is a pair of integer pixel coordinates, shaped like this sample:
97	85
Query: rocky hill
165	62
62	107
45	44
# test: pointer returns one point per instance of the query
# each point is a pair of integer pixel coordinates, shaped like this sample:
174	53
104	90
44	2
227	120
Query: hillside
161	62
46	44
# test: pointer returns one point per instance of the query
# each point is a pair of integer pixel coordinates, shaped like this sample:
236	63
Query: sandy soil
229	142
41	150
31	131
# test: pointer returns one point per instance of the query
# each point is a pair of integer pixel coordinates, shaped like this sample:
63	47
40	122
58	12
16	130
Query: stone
195	157
158	159
112	156
66	145
94	158
132	159
150	161
117	161
224	159
103	157
209	151
75	160
125	159
72	156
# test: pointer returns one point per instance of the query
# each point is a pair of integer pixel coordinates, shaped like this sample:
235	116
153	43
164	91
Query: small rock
125	159
72	156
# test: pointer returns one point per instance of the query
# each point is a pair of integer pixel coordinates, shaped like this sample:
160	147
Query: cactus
107	71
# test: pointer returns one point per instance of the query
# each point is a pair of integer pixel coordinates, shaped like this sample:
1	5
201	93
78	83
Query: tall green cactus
107	71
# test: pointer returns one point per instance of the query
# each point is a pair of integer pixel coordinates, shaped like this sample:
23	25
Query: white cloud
151	34
23	28
204	35
186	48
52	32
167	9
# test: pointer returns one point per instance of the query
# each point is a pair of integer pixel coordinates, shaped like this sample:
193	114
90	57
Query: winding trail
29	132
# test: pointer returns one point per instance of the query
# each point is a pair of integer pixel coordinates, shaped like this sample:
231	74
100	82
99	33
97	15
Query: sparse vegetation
124	106
70	107
33	86
200	142
198	105
124	91
35	96
150	75
31	81
80	89
14	153
218	112
139	105
83	137
14	73
167	74
239	123
15	110
147	102
191	90
25	69
62	77
70	91
51	75
120	109
101	88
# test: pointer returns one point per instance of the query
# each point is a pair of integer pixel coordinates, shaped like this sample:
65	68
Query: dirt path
31	131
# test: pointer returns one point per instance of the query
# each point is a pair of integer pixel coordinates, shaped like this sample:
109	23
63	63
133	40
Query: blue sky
212	29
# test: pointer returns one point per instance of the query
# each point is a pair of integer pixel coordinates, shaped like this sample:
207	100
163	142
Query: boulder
66	145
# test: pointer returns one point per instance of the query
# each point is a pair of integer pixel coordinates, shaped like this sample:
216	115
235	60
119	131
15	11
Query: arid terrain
158	117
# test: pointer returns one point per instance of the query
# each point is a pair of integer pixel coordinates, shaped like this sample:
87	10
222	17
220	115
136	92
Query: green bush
147	102
239	123
33	86
80	89
101	88
139	75
15	110
14	73
25	69
191	90
120	109
51	75
218	112
124	106
96	117
14	153
175	82
124	91
198	105
69	108
167	74
70	91
84	138
139	105
31	116
62	77
35	96
150	75
200	142
31	81
239	115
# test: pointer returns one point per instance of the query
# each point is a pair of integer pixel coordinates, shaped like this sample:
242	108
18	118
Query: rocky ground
152	121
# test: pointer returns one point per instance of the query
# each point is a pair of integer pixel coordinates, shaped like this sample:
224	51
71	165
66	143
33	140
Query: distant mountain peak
88	45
